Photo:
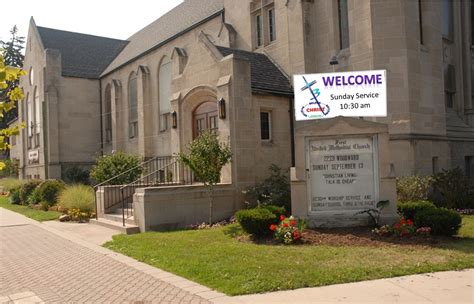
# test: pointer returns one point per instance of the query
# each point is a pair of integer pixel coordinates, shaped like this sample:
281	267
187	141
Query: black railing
158	171
167	172
111	193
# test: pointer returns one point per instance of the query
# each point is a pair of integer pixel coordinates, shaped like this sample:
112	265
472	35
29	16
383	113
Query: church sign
348	94
342	174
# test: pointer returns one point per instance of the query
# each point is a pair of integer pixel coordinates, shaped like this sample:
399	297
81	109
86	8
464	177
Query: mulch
354	236
361	236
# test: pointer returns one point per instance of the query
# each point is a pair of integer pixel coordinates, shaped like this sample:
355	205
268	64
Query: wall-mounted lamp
221	104
174	120
334	60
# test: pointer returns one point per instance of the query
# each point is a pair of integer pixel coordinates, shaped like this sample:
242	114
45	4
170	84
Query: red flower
293	222
273	227
285	224
282	217
296	235
409	222
402	221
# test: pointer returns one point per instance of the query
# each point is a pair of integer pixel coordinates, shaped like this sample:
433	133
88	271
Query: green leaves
112	165
206	157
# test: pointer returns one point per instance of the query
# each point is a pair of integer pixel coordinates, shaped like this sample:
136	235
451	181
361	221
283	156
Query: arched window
108	114
164	79
29	120
132	107
37	123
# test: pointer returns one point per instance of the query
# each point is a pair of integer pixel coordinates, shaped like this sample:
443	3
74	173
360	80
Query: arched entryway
205	117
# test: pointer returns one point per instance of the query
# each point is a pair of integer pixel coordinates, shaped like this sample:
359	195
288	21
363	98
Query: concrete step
128	229
119	211
117	217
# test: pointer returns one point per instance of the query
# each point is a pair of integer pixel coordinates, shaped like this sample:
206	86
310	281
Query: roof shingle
180	19
265	76
83	56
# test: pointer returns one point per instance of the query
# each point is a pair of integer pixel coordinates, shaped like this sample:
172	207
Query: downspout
101	120
292	131
44	106
45	140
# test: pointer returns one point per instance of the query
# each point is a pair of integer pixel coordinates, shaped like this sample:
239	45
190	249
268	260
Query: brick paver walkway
40	263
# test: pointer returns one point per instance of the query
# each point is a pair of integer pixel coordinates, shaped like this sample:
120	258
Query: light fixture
221	103
174	120
334	60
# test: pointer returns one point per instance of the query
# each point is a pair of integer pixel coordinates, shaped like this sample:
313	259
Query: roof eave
264	91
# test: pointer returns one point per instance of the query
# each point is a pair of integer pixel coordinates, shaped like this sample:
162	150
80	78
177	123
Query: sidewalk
442	287
84	240
40	264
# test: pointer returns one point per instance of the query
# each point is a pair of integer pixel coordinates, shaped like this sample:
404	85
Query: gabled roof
265	75
83	56
179	20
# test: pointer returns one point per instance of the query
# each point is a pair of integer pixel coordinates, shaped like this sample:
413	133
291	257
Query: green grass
467	228
37	215
215	259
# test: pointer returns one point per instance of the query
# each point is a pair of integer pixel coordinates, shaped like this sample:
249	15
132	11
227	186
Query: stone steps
115	225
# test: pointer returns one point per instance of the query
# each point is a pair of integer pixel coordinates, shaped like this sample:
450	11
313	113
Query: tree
13	49
9	89
12	52
206	158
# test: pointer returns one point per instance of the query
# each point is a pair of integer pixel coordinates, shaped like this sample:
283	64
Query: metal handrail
134	183
129	170
115	177
143	177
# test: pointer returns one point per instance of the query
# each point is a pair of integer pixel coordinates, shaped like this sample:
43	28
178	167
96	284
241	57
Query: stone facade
425	134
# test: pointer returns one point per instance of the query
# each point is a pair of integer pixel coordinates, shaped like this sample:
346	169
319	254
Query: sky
109	18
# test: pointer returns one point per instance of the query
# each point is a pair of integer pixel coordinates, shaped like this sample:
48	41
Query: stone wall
176	207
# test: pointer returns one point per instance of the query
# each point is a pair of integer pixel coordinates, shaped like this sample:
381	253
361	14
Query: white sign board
33	155
349	94
342	174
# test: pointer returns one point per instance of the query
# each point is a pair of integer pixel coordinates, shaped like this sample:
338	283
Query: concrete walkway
56	262
40	264
449	287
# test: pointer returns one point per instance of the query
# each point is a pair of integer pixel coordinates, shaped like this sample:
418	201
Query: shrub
77	197
15	195
408	210
442	221
47	192
450	189
413	188
109	166
275	190
277	210
7	184
76	175
34	198
256	221
26	189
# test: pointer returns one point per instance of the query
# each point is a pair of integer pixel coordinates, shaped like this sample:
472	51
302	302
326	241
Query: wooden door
205	117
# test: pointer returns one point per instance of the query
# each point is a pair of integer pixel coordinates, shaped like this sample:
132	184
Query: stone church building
227	65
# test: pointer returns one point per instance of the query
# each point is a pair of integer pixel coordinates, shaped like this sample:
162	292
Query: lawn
215	259
37	215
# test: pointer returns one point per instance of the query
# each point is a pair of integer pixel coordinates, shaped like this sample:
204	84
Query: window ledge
424	48
267	143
